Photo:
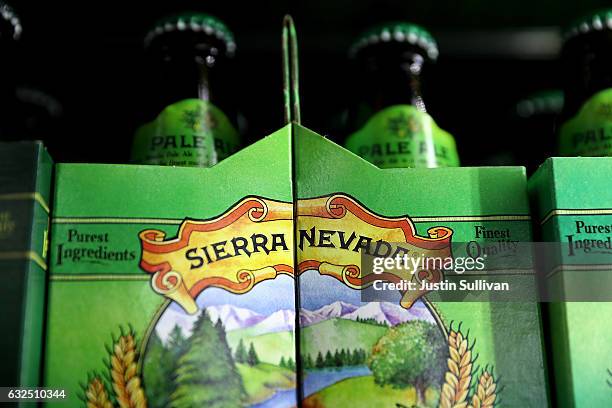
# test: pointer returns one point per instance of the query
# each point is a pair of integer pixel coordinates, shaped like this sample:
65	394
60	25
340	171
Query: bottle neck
203	69
183	76
395	81
186	66
411	75
587	69
385	79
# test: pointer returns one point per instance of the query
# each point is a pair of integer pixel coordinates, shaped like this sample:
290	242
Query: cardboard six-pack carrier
572	205
240	284
145	265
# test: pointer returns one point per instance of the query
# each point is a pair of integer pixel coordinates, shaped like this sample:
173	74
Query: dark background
89	56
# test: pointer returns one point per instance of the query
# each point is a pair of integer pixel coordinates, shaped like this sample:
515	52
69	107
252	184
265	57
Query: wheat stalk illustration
484	394
458	378
96	394
126	381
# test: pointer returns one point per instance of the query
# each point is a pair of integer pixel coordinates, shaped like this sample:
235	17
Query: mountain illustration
307	317
388	313
336	309
383	312
234	317
282	320
251	323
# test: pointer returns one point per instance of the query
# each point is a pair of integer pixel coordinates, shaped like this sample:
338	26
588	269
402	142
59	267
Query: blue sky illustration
319	290
265	298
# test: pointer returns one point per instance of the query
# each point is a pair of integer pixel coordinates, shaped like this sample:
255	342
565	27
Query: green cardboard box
410	350
172	285
25	176
572	202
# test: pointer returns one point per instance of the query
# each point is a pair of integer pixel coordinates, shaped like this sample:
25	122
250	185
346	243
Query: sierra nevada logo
253	242
334	231
248	244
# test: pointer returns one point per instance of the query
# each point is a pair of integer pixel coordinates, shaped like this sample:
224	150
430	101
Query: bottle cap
194	22
595	21
397	32
10	24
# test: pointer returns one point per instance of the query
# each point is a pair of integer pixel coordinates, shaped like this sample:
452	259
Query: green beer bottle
188	120
28	113
586	121
10	33
388	121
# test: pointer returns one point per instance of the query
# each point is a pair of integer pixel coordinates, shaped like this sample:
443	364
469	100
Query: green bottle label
403	136
192	132
589	133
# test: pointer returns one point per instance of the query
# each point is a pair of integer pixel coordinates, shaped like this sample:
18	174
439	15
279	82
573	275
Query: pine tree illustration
308	364
329	359
290	364
176	343
241	354
320	363
252	357
206	375
235	379
158	373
